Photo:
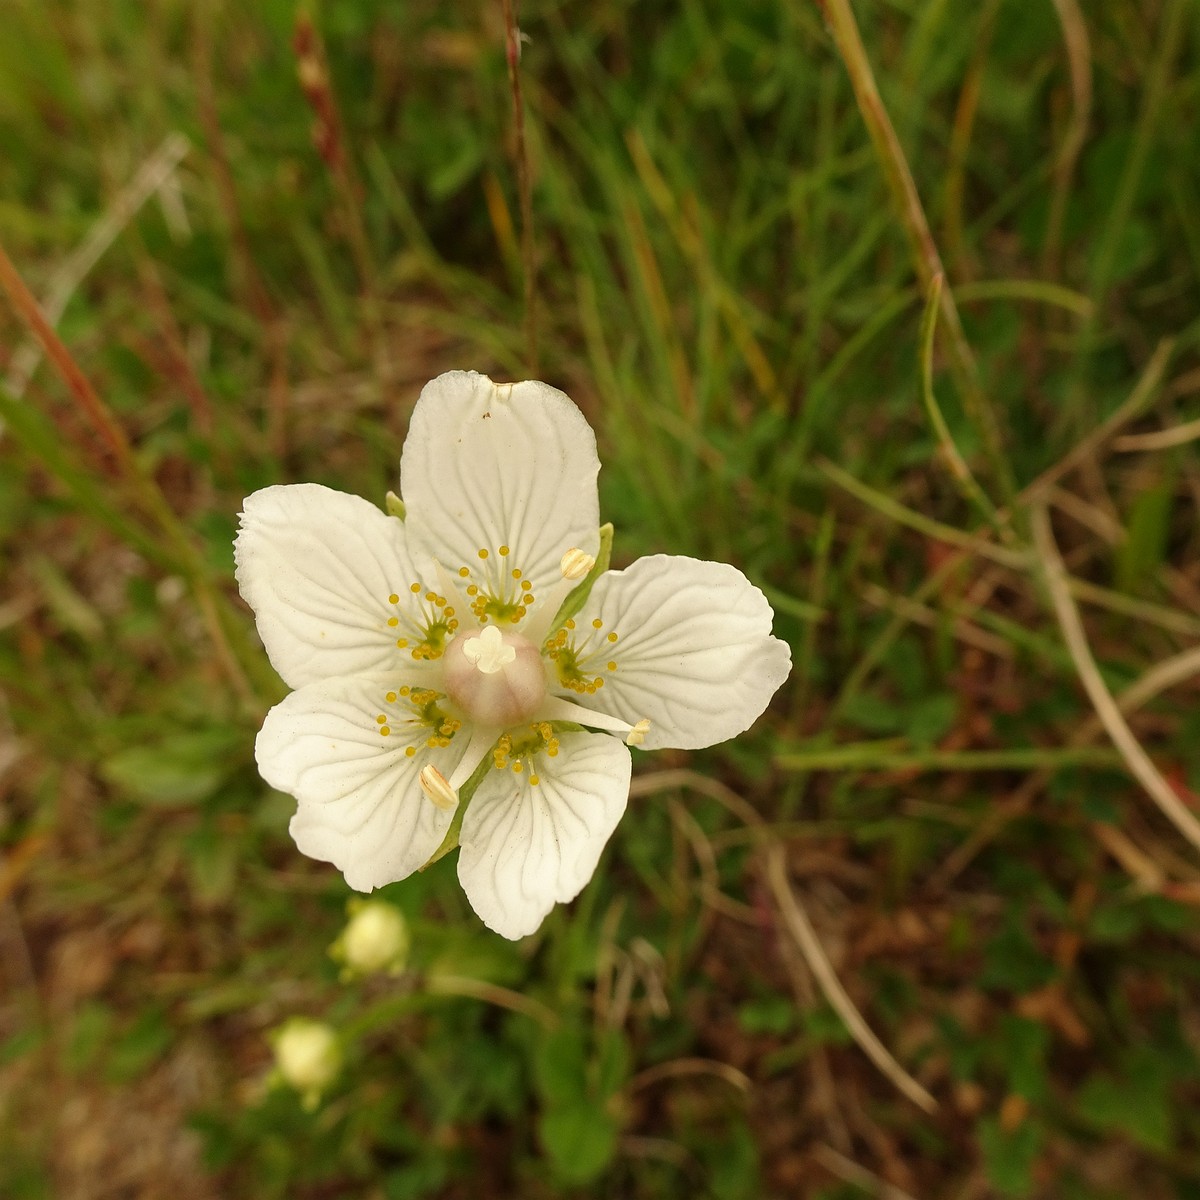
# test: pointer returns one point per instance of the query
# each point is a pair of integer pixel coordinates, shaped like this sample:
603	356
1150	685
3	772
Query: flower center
495	677
489	651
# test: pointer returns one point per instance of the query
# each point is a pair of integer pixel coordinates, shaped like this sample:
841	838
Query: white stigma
488	651
494	677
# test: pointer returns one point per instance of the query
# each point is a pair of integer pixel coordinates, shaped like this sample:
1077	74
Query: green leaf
931	719
770	1014
613	1060
140	1046
1138	1104
874	714
560	1066
213	861
1025	1045
1142	553
1012	960
732	1165
1008	1157
580	1139
180	769
91	1032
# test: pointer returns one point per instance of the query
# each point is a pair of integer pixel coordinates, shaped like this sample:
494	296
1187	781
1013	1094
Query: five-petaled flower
420	647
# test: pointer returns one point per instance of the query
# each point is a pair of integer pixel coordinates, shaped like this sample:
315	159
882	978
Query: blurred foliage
725	288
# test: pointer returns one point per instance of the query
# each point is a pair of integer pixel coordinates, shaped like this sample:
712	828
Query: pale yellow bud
375	939
308	1057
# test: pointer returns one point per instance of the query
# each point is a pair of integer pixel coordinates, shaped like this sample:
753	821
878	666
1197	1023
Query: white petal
527	846
361	804
487	466
694	651
318	567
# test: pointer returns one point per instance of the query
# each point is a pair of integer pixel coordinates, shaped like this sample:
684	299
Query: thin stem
1136	759
876	756
30	312
524	187
329	136
1144	392
1159	678
152	499
966	481
491	993
1079	63
150	177
927	260
799	926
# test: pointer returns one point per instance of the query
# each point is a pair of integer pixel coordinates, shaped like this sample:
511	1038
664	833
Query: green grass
727	288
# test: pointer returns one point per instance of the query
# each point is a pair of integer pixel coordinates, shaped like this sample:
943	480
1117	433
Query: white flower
308	1057
419	648
375	939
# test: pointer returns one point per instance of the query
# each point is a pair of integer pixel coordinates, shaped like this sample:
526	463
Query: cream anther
488	651
576	564
637	735
437	787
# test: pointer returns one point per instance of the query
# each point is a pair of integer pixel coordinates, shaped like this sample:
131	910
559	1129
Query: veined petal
527	846
320	568
682	642
361	806
500	479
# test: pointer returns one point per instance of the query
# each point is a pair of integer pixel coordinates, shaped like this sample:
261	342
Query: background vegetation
728	285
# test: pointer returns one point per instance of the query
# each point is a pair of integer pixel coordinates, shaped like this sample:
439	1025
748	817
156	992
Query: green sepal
577	598
468	789
395	506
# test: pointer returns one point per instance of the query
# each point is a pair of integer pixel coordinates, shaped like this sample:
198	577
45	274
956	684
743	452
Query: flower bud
307	1057
375	939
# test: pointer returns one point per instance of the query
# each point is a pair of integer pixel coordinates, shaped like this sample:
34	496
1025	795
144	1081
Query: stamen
637	735
436	786
575	564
